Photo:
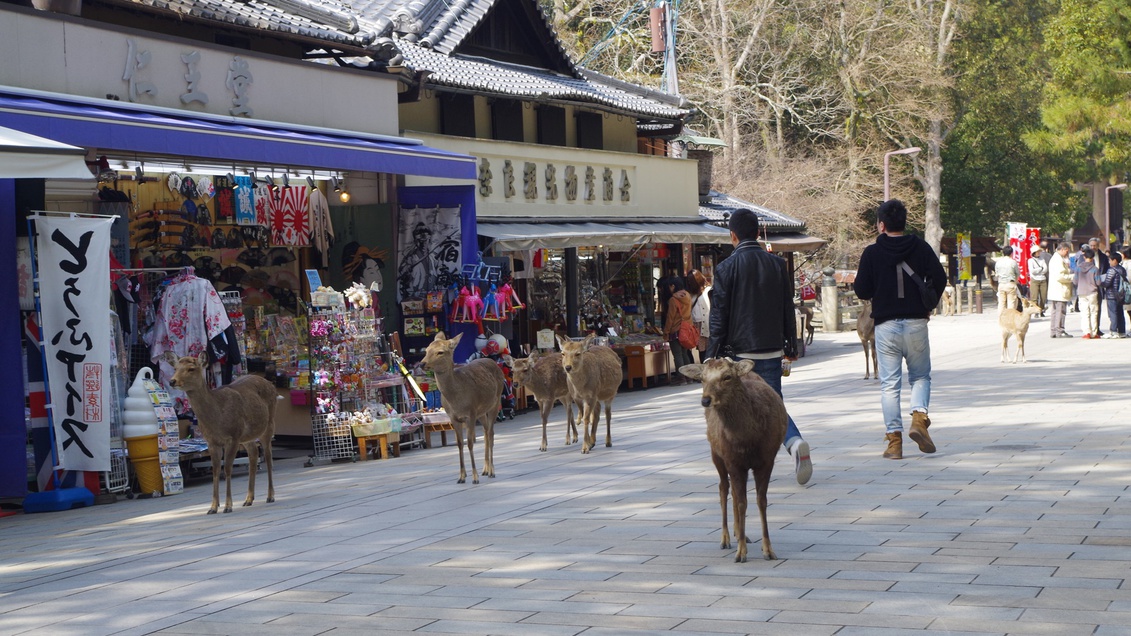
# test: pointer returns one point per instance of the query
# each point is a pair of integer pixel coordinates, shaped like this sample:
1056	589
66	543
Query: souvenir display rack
351	370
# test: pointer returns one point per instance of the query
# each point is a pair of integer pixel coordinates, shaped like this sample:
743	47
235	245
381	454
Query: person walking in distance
1006	273
1038	278
676	313
901	319
1087	283
752	316
1061	289
1111	289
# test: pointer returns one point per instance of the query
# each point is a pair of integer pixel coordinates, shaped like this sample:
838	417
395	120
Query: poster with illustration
362	252
428	251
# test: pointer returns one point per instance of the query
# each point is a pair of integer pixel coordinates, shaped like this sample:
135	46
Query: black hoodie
876	278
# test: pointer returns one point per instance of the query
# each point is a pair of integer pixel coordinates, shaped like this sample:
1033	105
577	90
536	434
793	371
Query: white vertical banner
73	264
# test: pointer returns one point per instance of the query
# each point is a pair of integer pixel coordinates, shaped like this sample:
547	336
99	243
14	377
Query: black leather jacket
752	304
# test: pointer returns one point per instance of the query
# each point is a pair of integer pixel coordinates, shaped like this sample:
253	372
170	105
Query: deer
807	311
746	423
229	417
866	331
545	377
594	374
1016	323
469	393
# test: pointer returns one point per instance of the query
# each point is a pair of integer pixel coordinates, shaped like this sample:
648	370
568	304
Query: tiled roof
720	206
427	32
481	74
329	22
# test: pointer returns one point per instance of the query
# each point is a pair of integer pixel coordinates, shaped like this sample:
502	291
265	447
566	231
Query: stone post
830	302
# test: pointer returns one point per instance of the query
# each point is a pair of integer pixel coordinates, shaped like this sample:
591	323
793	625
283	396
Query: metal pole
573	317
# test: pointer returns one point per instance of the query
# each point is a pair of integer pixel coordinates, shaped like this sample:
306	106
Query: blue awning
126	127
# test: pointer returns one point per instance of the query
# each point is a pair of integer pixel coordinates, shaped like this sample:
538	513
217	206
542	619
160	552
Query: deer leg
724	486
875	364
214	452
609	423
267	459
571	424
867	371
586	413
229	457
761	485
459	444
470	435
544	409
489	443
738	494
1020	348
252	449
1004	344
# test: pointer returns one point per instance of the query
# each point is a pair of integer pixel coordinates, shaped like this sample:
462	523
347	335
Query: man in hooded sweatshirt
901	321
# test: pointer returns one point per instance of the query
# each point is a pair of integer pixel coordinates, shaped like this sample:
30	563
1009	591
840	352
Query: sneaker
1109	336
1054	335
1064	334
802	464
1087	336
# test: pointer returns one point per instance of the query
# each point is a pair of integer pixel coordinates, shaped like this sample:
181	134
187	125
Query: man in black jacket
901	321
752	314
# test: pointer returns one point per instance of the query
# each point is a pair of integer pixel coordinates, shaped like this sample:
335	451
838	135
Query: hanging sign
73	262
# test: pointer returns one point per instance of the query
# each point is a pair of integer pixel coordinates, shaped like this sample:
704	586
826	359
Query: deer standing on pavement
230	416
594	374
866	330
1016	323
468	393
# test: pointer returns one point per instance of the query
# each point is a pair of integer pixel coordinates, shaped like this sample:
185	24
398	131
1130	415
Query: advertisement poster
428	255
74	284
964	267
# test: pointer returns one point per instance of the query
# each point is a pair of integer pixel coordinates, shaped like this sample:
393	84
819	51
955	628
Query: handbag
688	335
1126	291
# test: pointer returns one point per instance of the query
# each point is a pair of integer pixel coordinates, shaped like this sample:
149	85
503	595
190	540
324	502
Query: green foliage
991	176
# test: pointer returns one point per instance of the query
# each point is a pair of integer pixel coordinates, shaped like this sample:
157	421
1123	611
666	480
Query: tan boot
919	425
895	446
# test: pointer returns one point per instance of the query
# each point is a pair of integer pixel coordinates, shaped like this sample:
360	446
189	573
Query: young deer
468	393
594	374
1016	323
746	424
230	416
544	376
866	330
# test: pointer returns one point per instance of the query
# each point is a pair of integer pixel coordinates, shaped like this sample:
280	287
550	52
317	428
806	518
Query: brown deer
544	376
594	374
230	416
1016	323
807	312
746	422
468	393
866	331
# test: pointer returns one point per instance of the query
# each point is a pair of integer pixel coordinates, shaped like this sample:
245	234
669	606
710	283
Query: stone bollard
977	301
830	302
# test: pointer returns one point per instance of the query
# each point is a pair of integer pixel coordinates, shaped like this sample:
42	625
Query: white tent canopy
618	234
24	156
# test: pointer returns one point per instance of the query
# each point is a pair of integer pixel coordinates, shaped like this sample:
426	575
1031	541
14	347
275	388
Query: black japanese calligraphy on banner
73	264
429	252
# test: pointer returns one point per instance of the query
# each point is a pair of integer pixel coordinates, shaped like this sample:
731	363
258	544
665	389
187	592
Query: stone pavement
1019	524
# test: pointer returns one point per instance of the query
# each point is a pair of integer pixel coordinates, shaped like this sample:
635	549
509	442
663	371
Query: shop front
218	212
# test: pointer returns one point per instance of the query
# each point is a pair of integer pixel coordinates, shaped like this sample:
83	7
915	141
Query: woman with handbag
677	318
700	290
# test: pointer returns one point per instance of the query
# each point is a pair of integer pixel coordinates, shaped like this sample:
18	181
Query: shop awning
526	235
90	123
793	242
24	156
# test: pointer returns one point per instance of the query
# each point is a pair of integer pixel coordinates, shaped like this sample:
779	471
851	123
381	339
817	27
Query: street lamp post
1107	212
887	167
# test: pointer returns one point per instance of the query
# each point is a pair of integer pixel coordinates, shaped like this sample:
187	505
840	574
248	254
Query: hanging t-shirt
243	203
321	228
290	220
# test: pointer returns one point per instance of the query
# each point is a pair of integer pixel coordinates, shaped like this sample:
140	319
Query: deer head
438	355
188	372
721	379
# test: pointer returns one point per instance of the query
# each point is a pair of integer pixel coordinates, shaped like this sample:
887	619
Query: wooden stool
382	440
442	427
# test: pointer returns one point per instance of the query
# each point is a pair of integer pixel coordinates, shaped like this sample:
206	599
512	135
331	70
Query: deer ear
171	358
440	337
588	342
693	371
508	360
743	367
455	341
561	342
202	359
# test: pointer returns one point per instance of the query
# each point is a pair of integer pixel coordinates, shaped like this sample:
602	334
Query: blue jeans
896	341
1115	315
770	371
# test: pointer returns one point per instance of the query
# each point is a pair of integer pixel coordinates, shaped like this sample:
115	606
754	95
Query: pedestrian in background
1112	289
752	318
1006	273
1060	290
678	311
1087	292
1038	278
901	322
700	290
